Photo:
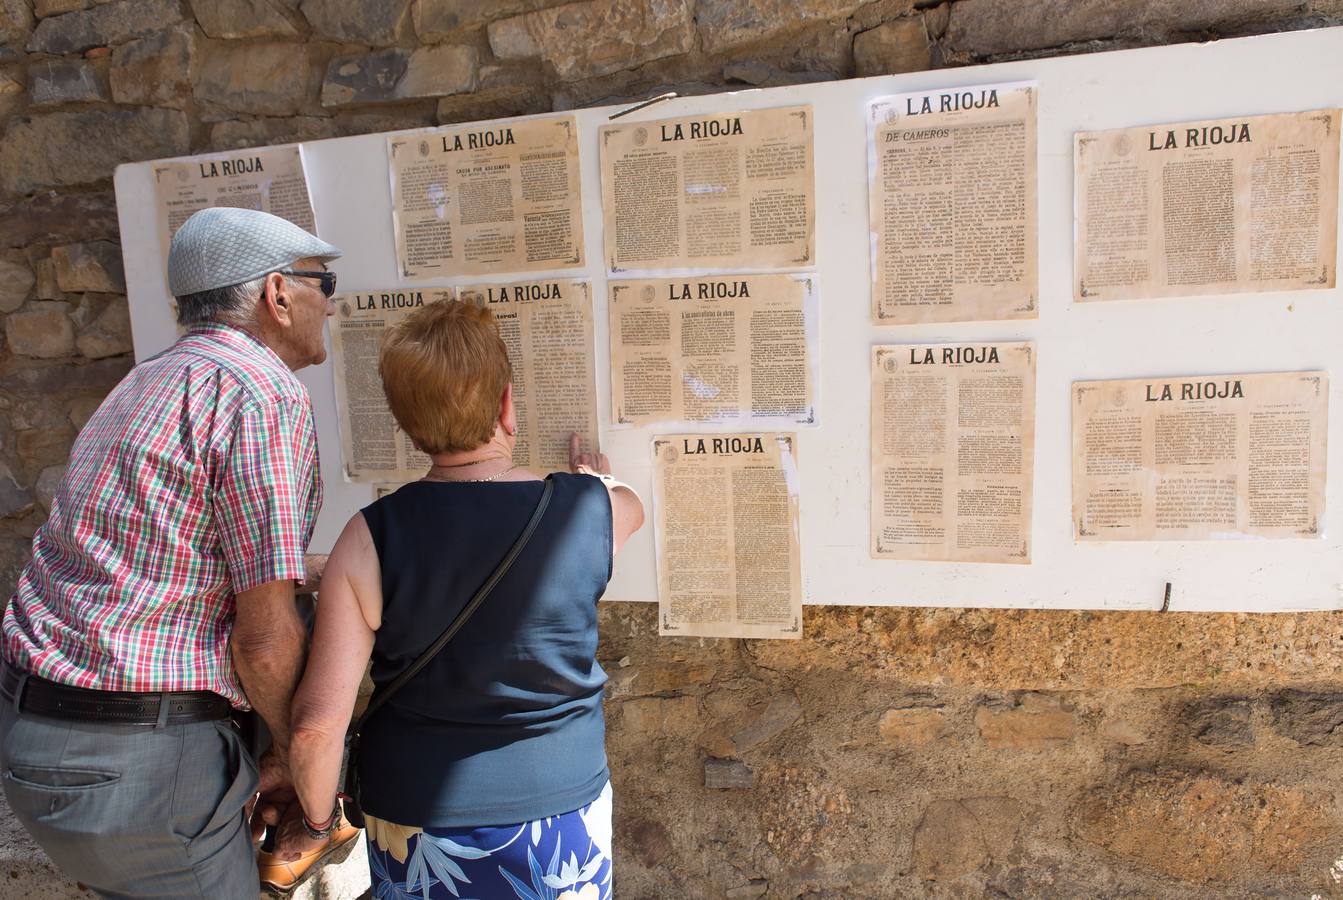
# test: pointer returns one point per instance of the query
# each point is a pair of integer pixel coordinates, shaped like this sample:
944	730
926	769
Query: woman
485	775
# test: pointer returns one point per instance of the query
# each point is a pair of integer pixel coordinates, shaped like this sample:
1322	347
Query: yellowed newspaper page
952	202
726	348
547	327
728	555
1215	207
270	179
487	198
373	449
1200	457
953	451
728	191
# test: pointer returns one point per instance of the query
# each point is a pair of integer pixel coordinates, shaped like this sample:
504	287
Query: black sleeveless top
505	724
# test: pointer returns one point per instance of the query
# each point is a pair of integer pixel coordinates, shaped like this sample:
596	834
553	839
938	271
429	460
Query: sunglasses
328	279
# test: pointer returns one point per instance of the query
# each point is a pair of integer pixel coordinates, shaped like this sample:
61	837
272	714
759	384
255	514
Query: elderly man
160	595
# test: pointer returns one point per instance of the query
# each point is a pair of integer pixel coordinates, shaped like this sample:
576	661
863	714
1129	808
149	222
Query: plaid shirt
196	479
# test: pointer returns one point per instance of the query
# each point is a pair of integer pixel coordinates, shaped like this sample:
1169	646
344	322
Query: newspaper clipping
1216	207
728	554
953	449
270	179
487	199
547	327
952	188
732	191
730	348
373	449
1200	457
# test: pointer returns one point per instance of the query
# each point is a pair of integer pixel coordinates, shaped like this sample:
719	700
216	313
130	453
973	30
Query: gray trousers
134	811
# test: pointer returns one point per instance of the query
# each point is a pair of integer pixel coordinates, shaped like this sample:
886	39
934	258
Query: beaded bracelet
324	830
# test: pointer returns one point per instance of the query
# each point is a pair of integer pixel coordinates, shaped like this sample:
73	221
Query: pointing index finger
575	456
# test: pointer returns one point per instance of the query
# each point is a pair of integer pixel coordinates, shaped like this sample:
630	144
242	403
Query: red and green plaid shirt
195	480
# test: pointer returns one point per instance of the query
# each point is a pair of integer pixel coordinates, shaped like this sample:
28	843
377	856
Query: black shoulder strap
382	696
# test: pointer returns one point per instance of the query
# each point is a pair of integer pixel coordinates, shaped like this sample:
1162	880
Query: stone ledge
1004	649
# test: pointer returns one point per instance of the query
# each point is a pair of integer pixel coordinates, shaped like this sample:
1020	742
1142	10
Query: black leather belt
59	701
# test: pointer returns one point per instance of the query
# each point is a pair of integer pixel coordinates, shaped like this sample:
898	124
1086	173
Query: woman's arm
627	510
349	611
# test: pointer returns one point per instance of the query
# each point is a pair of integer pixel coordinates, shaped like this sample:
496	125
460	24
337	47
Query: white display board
348	178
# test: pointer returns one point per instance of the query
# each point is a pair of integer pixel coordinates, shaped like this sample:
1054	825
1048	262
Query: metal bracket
638	106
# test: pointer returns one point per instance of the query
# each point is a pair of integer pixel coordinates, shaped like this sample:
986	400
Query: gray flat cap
224	246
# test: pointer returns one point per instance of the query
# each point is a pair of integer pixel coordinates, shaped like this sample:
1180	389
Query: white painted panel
1240	333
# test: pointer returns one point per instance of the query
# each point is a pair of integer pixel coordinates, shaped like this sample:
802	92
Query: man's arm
267	499
268	644
314	565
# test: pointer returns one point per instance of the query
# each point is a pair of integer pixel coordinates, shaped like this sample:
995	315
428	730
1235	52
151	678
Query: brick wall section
941	753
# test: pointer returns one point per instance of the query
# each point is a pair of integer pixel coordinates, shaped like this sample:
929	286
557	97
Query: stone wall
976	753
891	753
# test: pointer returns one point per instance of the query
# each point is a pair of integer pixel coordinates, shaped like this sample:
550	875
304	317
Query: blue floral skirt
565	857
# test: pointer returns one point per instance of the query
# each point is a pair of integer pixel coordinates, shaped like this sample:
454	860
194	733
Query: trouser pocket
63	809
46	791
215	798
61	776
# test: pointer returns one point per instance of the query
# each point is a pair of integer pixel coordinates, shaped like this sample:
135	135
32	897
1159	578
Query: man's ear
277	304
508	414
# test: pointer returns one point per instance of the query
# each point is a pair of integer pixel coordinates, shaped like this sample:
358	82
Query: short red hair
444	369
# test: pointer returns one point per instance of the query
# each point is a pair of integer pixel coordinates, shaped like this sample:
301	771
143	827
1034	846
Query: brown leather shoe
279	878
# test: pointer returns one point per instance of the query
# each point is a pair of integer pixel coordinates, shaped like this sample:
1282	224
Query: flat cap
224	246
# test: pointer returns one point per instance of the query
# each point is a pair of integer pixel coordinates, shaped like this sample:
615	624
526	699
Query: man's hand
586	463
275	794
291	839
